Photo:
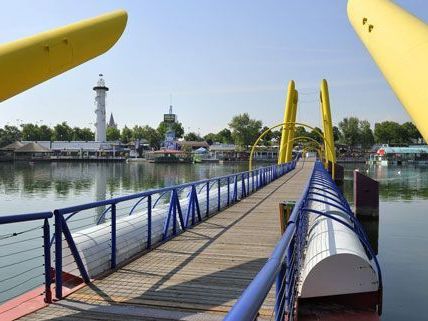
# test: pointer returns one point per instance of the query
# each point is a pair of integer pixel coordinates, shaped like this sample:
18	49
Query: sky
212	59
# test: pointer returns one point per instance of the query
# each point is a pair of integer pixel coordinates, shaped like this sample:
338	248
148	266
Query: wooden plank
204	270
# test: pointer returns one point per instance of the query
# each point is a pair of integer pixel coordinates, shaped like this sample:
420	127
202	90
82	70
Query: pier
199	274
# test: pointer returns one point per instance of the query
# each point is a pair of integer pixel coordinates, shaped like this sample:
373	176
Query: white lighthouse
100	101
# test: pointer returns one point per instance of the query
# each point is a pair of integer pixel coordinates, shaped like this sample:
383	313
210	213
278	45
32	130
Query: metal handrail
62	216
276	268
248	305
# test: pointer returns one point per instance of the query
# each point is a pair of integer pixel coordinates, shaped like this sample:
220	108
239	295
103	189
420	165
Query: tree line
242	131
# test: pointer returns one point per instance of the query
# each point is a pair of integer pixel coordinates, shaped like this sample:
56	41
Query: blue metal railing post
208	199
149	221
218	196
280	293
228	191
113	236
73	249
58	255
47	263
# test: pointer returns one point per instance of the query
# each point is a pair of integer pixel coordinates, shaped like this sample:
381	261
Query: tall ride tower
100	101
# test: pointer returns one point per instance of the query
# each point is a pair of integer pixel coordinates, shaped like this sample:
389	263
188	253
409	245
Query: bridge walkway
199	274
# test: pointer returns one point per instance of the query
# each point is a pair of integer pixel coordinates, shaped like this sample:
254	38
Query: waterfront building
387	155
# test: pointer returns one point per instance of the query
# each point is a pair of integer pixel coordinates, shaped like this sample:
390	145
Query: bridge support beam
289	149
287	120
330	153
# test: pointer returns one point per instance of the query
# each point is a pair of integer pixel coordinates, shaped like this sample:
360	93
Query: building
111	123
100	101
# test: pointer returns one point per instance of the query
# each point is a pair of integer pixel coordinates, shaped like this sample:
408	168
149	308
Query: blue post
58	256
208	199
252	181
73	249
174	213
243	194
113	236
280	294
47	256
149	221
248	183
228	191
218	196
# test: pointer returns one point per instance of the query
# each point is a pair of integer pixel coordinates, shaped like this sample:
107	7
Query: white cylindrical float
94	243
335	261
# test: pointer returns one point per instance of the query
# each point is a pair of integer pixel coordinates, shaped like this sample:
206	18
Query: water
402	236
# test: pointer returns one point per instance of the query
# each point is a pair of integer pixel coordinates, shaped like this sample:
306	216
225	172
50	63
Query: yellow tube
327	122
398	43
285	127
29	61
289	148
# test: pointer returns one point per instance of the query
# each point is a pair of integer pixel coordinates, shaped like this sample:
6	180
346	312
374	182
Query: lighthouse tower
100	101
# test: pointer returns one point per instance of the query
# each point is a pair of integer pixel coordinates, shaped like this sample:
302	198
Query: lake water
402	235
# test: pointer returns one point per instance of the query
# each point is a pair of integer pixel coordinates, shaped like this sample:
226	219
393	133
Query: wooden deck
199	274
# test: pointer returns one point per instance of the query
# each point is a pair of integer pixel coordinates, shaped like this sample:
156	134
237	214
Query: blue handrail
284	264
259	178
248	305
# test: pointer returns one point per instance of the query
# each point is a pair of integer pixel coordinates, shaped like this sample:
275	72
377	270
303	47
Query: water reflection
408	182
24	185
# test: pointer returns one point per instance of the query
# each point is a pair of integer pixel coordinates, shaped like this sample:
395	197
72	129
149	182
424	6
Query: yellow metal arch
250	165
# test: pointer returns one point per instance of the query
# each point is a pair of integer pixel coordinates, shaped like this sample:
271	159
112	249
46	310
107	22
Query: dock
197	275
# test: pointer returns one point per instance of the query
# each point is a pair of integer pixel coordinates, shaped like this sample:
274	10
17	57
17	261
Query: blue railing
284	265
154	216
25	264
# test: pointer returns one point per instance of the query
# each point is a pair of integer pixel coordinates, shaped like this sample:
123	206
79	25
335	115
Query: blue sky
216	58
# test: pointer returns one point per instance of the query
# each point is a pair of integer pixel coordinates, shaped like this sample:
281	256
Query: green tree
177	127
9	134
276	136
113	134
211	138
46	133
82	134
267	139
152	136
316	134
224	136
126	135
366	134
62	132
300	131
193	137
411	132
350	130
137	132
337	135
30	132
388	132
245	130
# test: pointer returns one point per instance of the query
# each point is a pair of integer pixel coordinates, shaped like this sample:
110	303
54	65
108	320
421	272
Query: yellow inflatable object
398	43
29	61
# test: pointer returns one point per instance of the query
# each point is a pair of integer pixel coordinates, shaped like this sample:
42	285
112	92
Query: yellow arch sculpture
29	61
250	165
